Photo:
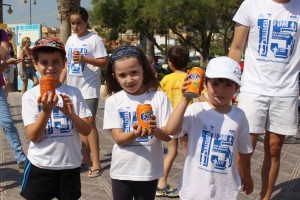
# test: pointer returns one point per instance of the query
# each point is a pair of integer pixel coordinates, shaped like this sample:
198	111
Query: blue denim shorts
29	73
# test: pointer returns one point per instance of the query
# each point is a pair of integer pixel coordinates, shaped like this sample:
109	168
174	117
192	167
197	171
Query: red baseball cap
48	42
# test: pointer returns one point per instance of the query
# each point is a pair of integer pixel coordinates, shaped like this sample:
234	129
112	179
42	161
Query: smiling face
129	74
220	93
78	25
50	64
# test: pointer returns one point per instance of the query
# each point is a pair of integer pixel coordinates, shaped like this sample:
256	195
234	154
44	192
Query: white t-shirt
141	160
210	171
272	57
60	146
85	76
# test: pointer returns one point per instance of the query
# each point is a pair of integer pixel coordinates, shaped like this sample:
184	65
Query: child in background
53	124
137	155
171	84
86	55
216	130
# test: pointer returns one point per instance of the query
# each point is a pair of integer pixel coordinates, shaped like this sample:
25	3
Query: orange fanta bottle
143	113
47	85
197	79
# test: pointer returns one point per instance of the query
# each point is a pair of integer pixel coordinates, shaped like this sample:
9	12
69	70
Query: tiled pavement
287	186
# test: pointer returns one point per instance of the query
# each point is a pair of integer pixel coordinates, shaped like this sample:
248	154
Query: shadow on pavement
286	190
14	179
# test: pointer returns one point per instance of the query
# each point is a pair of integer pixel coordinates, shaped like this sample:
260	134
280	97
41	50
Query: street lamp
34	3
9	11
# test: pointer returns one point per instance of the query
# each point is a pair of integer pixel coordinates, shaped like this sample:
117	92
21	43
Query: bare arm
239	40
161	134
245	167
5	64
122	138
98	62
83	125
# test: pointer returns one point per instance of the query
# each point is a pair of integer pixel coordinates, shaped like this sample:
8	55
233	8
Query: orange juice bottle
197	79
47	85
143	113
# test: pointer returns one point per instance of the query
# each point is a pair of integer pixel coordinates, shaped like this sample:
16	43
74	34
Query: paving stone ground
287	185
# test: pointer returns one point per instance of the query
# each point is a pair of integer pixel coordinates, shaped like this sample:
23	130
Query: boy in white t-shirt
216	130
53	123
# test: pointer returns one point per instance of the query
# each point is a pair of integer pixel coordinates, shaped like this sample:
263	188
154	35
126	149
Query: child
178	58
86	56
137	156
53	123
215	130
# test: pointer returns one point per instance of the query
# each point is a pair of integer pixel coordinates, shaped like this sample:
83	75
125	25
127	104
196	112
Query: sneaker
166	192
21	165
261	138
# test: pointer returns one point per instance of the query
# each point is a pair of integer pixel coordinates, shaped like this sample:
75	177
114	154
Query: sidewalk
287	186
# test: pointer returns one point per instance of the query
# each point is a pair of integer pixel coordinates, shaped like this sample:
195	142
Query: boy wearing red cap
53	123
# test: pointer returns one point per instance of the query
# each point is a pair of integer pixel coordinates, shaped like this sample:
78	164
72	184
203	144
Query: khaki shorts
93	105
275	114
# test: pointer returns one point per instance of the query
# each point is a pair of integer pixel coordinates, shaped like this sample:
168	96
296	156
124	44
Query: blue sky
45	11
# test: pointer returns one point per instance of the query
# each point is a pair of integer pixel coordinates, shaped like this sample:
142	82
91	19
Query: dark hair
179	56
149	79
36	53
221	80
83	14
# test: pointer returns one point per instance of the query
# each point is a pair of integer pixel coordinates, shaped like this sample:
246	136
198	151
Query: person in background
27	70
155	65
86	56
6	121
171	84
53	123
137	155
9	74
217	132
150	60
270	91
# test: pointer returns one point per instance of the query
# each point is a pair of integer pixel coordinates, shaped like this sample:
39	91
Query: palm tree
64	8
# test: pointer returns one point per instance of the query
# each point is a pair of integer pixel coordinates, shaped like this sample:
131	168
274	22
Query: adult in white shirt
269	92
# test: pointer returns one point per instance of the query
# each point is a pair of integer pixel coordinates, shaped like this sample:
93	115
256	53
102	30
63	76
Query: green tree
193	21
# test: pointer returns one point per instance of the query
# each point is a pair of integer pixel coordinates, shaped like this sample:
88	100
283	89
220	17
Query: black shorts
47	184
138	190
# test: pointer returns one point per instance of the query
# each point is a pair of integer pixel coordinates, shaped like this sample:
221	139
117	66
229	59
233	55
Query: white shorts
9	74
274	114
